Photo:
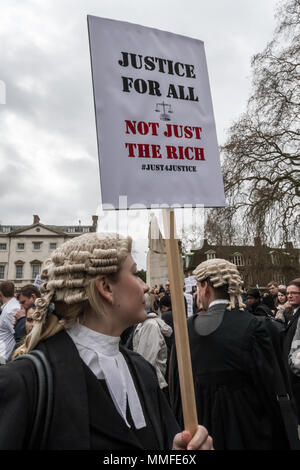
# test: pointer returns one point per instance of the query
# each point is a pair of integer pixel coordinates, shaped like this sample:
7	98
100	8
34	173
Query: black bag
41	423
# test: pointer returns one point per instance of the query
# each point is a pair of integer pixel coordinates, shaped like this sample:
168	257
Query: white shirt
220	301
101	354
7	331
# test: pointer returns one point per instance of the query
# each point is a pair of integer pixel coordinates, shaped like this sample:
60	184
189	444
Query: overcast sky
48	146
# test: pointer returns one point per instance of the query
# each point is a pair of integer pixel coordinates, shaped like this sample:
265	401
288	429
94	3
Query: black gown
233	379
84	416
287	339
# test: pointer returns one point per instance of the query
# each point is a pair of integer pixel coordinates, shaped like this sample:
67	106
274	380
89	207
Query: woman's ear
103	286
206	287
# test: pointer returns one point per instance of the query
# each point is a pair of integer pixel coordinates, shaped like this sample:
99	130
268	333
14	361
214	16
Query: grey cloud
50	46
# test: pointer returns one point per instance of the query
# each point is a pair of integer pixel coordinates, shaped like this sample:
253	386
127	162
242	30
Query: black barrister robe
234	384
287	339
84	416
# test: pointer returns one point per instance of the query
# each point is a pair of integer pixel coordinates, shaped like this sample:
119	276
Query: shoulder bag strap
49	394
44	398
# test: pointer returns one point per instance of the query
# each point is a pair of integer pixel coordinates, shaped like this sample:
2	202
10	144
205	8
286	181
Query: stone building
23	249
157	265
258	264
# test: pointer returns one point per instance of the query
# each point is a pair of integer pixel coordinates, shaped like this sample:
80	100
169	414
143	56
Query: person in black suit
255	305
233	369
293	295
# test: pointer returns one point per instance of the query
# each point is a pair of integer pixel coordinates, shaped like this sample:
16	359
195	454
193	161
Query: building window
85	229
37	245
210	254
2	269
21	246
71	229
6	229
36	269
279	278
53	246
3	246
238	259
19	271
275	258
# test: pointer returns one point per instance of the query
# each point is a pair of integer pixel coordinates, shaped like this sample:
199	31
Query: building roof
12	230
228	251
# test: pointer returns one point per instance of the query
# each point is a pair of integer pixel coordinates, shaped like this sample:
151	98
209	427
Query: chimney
36	219
95	220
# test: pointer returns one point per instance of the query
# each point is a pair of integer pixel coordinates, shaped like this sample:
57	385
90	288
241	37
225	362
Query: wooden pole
180	324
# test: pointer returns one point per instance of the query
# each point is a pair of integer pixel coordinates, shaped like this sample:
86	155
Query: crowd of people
111	345
16	316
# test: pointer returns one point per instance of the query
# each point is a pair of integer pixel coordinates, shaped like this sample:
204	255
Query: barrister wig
69	292
220	272
72	266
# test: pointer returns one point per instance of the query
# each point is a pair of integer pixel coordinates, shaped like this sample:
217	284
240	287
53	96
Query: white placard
38	282
189	303
189	283
156	132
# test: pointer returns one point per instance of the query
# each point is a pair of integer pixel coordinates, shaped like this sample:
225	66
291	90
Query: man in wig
232	356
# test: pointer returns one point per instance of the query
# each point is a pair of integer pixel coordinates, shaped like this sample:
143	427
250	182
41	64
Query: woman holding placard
105	397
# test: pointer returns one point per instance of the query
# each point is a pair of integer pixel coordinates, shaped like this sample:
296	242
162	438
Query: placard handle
180	324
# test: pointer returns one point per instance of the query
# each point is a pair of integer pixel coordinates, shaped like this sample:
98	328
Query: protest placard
189	283
157	142
156	132
38	282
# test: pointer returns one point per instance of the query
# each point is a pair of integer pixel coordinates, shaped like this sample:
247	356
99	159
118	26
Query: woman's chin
139	318
144	315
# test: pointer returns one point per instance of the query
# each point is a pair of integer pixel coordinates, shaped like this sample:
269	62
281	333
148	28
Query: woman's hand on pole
200	441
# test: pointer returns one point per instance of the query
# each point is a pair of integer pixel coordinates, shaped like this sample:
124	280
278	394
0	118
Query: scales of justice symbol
166	109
